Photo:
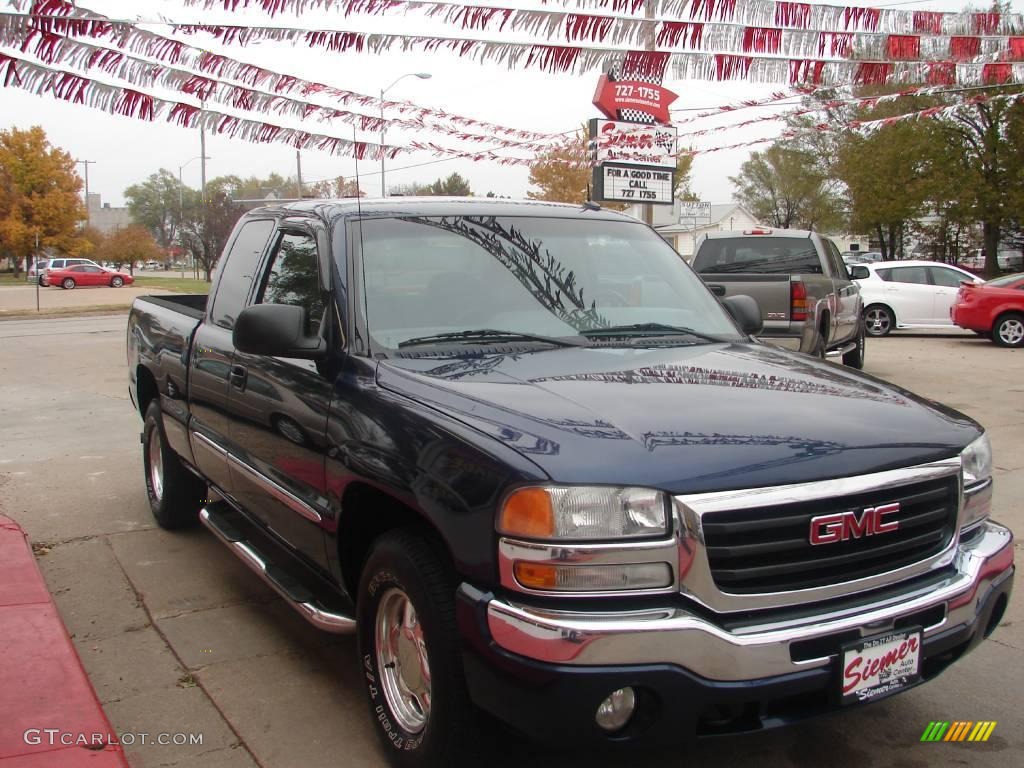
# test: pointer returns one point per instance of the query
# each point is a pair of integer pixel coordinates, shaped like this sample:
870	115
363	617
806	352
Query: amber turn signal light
527	512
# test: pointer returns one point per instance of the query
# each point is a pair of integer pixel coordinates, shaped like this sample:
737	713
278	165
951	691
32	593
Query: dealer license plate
878	666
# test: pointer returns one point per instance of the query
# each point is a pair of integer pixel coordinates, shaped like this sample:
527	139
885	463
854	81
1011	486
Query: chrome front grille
768	548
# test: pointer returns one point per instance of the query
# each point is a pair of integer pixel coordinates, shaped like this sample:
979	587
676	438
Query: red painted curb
50	710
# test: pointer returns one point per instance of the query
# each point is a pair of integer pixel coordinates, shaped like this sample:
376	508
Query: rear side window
913	275
758	255
946	277
240	266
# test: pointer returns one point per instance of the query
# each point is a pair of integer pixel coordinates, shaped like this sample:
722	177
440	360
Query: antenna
359	220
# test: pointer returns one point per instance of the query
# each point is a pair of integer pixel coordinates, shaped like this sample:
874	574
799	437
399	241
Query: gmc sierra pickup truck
542	472
799	279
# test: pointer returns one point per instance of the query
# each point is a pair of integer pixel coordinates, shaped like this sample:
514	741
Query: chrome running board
277	578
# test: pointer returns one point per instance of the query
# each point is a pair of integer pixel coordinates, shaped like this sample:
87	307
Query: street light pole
87	163
181	201
421	76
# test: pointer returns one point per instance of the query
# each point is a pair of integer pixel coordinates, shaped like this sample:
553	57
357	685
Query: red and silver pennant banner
51	48
795	15
747	13
788	31
64	18
16	72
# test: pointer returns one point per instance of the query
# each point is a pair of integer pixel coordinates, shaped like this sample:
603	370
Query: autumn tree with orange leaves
39	195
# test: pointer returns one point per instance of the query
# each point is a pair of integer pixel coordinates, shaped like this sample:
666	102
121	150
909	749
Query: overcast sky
126	150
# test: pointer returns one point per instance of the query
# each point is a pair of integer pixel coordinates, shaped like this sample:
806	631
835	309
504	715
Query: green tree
455	185
339	186
891	180
207	224
786	188
39	197
984	168
156	204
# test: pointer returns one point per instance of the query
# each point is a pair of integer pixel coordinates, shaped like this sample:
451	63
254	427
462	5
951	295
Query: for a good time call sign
633	184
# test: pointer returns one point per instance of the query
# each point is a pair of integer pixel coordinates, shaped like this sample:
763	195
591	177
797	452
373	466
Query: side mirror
276	330
746	312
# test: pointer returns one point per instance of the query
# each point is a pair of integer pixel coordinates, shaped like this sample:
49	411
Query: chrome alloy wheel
156	464
877	321
402	660
1011	332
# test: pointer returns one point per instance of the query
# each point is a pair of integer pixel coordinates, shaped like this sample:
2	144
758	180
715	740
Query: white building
685	232
105	218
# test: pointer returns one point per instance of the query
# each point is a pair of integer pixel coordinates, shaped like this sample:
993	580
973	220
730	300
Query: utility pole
86	163
649	44
298	172
202	195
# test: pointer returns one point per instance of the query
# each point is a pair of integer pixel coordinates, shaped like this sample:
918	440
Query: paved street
178	636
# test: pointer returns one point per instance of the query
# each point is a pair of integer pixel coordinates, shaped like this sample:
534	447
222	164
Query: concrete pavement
177	636
18	298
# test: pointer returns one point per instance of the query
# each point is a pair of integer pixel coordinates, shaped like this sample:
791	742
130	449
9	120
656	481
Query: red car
87	274
994	309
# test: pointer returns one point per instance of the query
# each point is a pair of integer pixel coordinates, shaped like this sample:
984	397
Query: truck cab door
279	407
212	352
846	318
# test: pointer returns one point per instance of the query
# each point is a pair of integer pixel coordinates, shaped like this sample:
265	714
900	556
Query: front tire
68	284
117	282
1008	330
411	654
855	357
878	320
175	494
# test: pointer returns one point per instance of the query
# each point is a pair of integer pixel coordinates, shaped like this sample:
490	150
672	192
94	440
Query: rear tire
855	357
1008	330
411	654
175	494
878	320
68	284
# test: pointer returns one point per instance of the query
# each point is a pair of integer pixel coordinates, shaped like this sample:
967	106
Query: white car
908	294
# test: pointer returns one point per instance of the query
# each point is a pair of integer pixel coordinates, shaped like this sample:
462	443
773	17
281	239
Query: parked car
994	309
62	263
798	278
35	271
908	294
538	469
86	275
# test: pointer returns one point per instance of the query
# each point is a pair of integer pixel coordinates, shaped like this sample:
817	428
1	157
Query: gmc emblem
828	529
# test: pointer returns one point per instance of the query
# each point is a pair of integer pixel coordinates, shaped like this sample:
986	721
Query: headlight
976	461
584	512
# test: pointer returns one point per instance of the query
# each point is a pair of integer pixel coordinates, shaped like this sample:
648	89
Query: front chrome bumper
762	647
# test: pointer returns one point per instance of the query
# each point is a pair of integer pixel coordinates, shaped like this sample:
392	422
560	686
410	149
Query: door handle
718	290
238	376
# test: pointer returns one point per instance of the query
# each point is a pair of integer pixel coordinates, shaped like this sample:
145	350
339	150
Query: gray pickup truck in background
808	301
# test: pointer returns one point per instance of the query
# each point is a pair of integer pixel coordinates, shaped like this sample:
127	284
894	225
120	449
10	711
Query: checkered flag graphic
624	70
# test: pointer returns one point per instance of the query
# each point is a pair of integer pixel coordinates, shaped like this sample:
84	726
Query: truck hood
683	419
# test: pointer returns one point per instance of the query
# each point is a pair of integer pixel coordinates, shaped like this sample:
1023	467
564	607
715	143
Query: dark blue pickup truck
543	472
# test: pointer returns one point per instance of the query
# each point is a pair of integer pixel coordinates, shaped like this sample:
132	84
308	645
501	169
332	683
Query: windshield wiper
484	335
649	329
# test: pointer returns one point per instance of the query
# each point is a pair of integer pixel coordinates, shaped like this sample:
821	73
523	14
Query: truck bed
160	331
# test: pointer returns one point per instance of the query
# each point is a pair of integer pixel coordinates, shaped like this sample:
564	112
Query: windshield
550	277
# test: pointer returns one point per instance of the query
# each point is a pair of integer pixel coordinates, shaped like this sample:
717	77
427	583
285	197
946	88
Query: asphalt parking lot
177	636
